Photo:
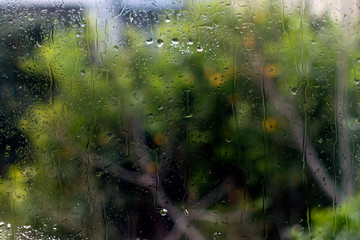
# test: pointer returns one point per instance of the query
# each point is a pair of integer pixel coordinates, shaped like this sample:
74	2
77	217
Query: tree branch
182	223
286	107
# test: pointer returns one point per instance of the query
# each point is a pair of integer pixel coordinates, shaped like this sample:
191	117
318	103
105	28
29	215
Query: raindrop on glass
186	212
149	41
167	19
293	91
163	212
175	41
160	42
217	235
27	226
199	48
190	42
356	81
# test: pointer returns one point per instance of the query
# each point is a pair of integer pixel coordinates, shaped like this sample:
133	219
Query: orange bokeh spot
250	41
216	80
232	99
269	124
271	71
151	168
159	139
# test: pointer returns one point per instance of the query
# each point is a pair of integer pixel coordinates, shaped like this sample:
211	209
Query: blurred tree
223	115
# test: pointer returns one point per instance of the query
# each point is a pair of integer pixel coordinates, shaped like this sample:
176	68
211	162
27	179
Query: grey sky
336	8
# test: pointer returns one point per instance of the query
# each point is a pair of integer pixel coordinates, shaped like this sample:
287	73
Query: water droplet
356	81
82	72
8	147
31	18
188	116
8	226
167	19
321	140
293	91
163	212
2	224
199	48
228	139
357	60
217	235
313	42
186	212
160	42
116	48
27	226
175	41
190	42
149	41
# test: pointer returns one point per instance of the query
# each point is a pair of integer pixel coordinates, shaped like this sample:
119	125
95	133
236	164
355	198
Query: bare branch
225	218
286	107
197	211
182	223
141	150
215	194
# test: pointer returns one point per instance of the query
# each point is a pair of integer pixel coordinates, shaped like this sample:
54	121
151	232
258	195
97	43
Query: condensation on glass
179	119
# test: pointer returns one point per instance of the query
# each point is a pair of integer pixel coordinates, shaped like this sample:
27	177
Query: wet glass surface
179	119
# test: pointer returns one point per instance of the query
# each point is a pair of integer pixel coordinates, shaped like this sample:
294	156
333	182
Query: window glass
180	119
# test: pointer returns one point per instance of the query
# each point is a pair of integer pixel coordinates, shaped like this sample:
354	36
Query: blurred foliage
337	222
191	87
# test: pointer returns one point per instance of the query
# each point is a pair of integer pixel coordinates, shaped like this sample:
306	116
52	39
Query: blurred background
179	119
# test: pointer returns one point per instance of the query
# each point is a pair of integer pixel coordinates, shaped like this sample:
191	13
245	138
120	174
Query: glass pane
179	119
